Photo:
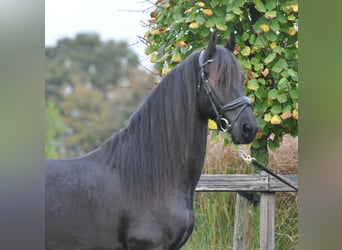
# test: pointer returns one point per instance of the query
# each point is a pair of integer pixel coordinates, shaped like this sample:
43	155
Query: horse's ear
211	49
230	45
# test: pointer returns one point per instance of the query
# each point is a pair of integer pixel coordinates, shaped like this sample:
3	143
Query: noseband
241	102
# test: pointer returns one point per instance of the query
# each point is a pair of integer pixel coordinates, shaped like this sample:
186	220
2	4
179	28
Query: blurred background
96	71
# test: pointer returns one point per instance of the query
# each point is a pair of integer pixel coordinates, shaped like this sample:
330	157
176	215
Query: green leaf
280	65
246	51
293	74
178	17
260	106
225	143
210	22
275	25
272	94
245	64
237	10
255	60
271	4
258	43
270	14
261	92
294	93
283	84
282	19
262	81
253	84
214	136
245	36
270	58
259	5
225	135
213	3
273	144
287	108
282	98
221	27
200	19
258	67
276	109
271	36
229	17
220	23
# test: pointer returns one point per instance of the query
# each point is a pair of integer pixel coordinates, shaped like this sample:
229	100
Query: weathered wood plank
240	223
244	182
267	218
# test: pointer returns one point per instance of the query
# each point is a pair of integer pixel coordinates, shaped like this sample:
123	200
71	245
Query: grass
214	227
214	222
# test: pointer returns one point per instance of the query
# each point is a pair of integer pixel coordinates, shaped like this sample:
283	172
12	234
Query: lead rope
248	159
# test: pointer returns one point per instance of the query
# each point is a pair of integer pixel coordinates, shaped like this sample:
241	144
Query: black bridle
241	102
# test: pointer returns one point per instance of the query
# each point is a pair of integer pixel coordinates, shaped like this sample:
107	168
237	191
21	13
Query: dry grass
215	211
227	160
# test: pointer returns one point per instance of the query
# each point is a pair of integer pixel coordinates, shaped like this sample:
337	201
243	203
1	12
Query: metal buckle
224	124
246	157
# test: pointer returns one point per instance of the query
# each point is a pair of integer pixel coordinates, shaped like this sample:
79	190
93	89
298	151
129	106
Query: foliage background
267	43
92	88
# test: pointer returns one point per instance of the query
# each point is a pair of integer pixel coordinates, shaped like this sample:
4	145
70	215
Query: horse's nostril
246	130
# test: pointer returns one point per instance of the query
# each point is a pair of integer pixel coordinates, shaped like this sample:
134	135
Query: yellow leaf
267	117
296	44
155	32
176	57
273	45
265	72
165	69
181	44
200	4
291	17
295	8
188	10
275	120
295	114
193	25
291	31
208	12
237	50
246	51
212	125
265	27
153	58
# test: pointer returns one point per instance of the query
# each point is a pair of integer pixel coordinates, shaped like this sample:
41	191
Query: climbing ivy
267	49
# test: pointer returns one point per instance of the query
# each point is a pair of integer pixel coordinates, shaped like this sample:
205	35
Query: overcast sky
111	19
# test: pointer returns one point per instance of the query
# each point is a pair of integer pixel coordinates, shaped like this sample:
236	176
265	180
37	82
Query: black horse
135	192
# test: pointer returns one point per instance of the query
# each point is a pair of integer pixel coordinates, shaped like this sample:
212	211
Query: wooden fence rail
263	183
244	182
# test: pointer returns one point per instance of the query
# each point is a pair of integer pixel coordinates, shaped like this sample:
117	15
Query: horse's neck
163	147
186	141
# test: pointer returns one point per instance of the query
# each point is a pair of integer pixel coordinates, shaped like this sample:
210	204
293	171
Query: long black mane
153	150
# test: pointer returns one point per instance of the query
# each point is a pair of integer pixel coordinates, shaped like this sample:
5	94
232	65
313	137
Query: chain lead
246	157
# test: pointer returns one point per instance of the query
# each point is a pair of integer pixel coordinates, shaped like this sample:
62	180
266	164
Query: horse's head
221	92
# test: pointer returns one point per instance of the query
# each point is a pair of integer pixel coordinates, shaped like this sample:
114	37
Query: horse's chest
163	229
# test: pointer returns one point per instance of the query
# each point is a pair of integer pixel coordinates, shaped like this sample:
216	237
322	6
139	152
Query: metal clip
246	157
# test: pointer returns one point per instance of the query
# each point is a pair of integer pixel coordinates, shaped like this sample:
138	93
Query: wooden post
240	222
267	218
